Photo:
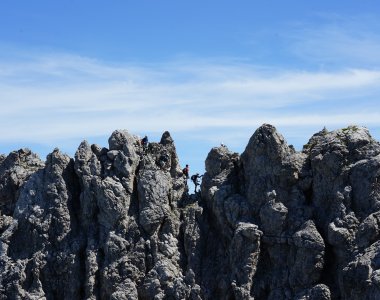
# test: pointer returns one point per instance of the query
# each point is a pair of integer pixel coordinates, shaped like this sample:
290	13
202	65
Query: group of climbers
164	158
194	178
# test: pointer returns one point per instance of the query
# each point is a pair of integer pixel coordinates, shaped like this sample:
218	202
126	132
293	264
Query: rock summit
118	222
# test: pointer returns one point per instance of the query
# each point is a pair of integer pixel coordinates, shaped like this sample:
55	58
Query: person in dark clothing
195	179
144	143
164	160
185	172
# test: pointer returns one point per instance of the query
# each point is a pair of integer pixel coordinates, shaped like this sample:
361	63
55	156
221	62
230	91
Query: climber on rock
195	179
144	143
164	160
185	172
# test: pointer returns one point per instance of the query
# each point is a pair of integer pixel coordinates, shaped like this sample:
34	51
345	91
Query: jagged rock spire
117	222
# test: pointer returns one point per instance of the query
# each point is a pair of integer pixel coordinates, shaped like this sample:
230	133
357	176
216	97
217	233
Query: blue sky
207	71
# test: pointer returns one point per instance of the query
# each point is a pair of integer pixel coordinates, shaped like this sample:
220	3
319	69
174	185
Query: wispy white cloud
57	97
338	40
52	98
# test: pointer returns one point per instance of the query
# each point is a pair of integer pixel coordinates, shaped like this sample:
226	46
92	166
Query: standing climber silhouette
144	143
195	179
185	172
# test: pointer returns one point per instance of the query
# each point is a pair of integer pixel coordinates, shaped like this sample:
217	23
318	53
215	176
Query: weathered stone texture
118	223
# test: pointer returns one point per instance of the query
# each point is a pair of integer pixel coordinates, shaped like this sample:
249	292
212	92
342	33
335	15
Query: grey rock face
15	169
40	249
118	223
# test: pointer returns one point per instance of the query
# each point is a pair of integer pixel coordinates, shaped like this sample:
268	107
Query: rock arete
119	223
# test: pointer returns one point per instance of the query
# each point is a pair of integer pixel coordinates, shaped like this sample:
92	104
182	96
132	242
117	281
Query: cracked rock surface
118	222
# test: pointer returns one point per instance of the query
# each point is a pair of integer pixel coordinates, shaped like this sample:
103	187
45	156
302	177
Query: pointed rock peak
15	170
24	151
84	145
356	135
266	129
309	237
221	151
58	153
84	152
219	159
166	138
24	157
316	138
57	158
267	141
97	150
119	138
350	138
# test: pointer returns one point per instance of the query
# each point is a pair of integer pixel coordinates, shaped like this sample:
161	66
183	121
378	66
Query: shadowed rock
118	223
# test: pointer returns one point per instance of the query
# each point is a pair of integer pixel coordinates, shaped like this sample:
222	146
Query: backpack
194	177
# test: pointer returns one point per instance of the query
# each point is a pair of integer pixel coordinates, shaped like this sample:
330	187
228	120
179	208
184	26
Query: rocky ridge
118	222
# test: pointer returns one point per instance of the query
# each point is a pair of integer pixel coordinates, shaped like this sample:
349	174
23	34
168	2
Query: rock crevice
118	222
